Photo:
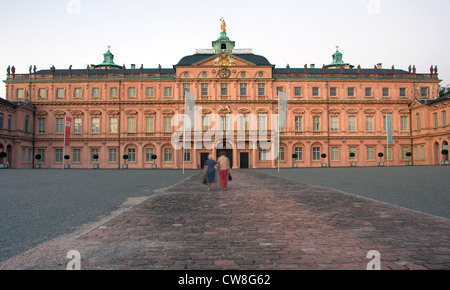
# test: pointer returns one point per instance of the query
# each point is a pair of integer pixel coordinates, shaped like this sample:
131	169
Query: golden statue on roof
223	26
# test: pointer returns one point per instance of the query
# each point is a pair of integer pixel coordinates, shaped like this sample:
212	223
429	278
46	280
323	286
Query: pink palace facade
333	111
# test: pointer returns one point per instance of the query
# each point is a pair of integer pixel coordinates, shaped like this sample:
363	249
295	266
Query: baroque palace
336	114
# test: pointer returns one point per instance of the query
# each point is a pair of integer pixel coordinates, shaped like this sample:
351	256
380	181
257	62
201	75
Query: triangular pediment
415	104
224	60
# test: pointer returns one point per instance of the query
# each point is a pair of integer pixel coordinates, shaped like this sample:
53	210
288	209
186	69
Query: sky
294	32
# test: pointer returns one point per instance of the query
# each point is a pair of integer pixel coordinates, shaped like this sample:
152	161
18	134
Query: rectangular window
281	154
187	155
41	125
167	124
94	153
131	124
205	90
370	153
43	93
113	125
262	154
384	123
41	152
280	89
402	92
131	155
297	92
77	125
149	92
368	92
316	123
186	88
95	125
423	151
96	93
22	155
167	92
76	155
112	155
352	150
1	120
205	123
224	123
351	92
369	123
315	91
149	155
404	123
224	89
334	123
78	93
385	92
60	93
316	153
149	125
113	93
435	120
424	92
244	123
167	155
243	90
262	122
132	92
404	151
333	92
20	93
9	122
335	153
352	124
59	125
416	153
299	152
444	118
58	155
418	121
30	155
298	123
261	89
27	123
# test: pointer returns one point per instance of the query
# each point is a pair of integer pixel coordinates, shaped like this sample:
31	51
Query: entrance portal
243	160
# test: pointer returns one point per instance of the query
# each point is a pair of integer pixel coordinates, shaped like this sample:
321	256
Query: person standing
210	171
223	163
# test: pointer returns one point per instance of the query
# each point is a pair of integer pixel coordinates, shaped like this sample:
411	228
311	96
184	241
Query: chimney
379	65
133	66
313	65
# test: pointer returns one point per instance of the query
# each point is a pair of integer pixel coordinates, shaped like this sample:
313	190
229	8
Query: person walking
223	163
210	171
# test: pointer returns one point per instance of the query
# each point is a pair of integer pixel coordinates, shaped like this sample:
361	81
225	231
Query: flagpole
64	141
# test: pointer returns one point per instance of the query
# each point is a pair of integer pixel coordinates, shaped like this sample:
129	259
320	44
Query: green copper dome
108	60
338	61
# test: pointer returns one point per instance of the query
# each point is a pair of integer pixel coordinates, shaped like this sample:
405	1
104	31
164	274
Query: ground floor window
167	155
316	153
299	152
112	155
58	155
76	155
131	155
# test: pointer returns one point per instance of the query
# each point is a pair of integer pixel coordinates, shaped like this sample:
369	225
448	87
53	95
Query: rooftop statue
223	26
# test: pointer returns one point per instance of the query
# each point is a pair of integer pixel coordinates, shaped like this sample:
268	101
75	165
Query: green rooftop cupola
223	43
338	61
108	60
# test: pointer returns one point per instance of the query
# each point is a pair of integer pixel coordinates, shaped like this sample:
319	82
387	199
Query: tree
444	90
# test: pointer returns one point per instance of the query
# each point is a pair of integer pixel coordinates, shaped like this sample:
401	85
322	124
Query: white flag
282	110
189	110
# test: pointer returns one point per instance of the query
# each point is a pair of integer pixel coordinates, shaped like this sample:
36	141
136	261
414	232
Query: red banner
67	131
